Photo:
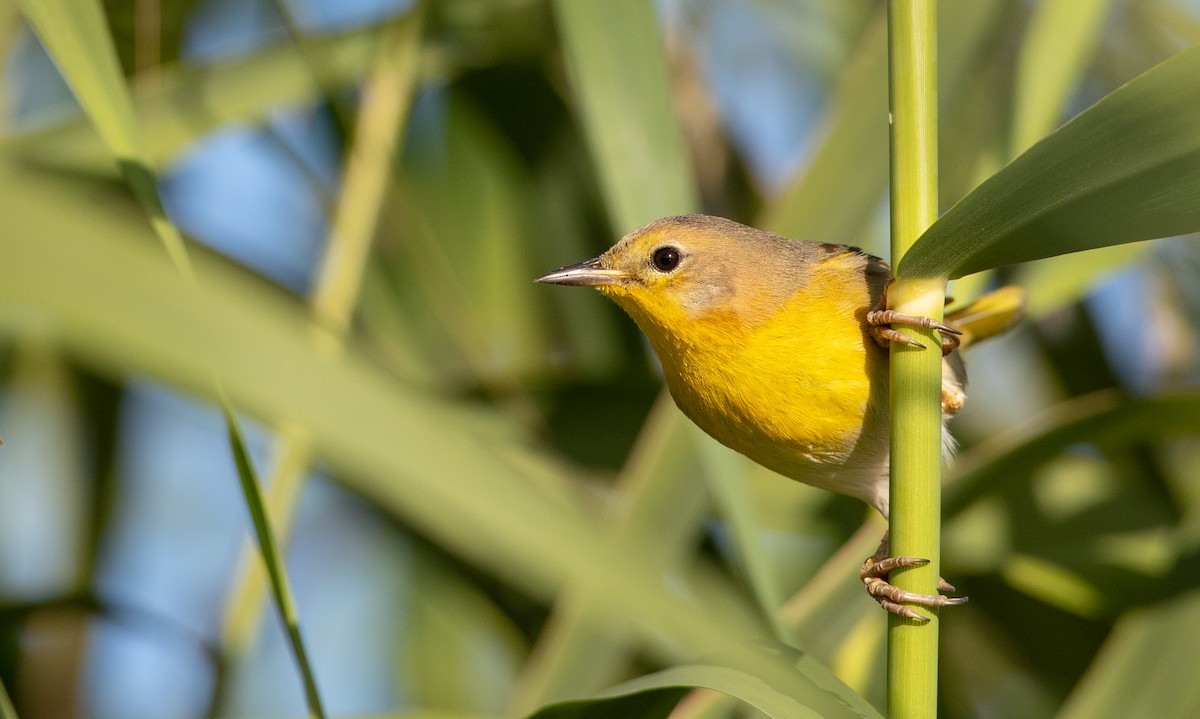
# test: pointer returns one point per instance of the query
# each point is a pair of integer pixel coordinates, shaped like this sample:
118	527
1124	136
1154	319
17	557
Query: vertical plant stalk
916	422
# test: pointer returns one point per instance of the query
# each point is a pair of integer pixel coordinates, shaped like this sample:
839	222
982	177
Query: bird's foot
881	319
874	575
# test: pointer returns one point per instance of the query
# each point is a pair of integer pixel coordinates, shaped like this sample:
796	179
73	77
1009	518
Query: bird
777	348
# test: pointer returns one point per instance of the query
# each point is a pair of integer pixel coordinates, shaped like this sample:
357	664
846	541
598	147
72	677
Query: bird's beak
591	272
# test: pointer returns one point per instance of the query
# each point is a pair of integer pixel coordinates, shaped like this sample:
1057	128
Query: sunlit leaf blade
1147	668
619	74
1126	169
75	35
816	698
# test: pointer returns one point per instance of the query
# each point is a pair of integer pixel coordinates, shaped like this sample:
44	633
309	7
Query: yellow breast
789	391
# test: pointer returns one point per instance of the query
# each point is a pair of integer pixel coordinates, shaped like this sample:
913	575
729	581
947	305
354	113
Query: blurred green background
489	504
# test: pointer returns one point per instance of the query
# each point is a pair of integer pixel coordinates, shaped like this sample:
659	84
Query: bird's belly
791	418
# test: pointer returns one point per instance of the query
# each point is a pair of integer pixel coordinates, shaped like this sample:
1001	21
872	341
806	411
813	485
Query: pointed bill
591	272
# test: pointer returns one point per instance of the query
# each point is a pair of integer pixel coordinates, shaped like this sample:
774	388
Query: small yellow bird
776	348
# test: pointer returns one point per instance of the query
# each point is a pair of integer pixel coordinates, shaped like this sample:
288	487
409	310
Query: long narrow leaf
1061	37
817	700
616	53
76	36
507	508
272	558
1126	169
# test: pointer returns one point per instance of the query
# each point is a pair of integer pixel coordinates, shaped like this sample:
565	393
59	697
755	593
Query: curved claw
874	576
880	322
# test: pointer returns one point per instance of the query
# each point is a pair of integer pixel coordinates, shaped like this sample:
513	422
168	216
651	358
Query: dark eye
665	259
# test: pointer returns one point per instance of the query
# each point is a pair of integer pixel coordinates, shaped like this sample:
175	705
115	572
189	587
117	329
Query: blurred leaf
834	196
659	516
76	37
1126	169
734	499
75	34
649	704
1103	418
569	200
45	464
624	99
6	706
816	698
1147	668
507	509
1060	38
459	650
182	103
386	98
475	277
130	31
1058	281
983	674
825	613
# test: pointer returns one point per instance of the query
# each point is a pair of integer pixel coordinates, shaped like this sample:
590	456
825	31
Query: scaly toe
874	574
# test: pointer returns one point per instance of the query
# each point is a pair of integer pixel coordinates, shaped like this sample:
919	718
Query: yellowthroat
776	348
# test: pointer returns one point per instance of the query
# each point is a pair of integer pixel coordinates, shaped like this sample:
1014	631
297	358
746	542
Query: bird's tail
988	315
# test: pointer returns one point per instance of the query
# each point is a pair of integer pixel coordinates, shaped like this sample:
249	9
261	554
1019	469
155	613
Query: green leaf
835	196
458	650
179	104
76	36
660	518
470	266
6	706
281	588
1059	41
816	697
619	75
93	282
832	198
1126	169
647	704
732	496
1147	668
1102	418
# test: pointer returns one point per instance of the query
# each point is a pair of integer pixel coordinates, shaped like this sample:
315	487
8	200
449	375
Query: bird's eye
665	259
